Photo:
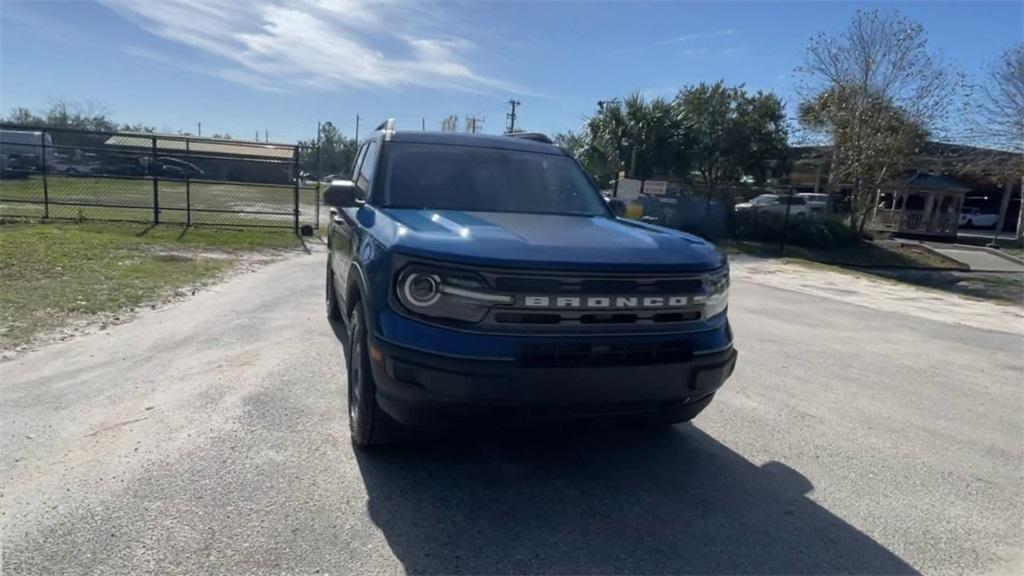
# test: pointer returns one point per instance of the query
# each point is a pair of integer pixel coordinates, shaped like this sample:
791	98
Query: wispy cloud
683	39
312	43
698	36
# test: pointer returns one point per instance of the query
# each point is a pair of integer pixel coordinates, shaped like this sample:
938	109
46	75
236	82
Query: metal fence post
295	172
46	185
156	186
318	176
785	222
188	186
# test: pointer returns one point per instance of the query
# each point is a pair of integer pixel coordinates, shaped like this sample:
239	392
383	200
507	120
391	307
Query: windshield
472	178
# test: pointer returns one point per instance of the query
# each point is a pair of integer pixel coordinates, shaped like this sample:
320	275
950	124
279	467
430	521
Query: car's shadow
598	500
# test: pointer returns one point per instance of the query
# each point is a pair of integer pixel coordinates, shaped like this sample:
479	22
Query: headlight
716	293
421	290
448	294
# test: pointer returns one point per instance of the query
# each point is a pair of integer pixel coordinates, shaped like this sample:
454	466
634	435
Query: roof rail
535	136
388	127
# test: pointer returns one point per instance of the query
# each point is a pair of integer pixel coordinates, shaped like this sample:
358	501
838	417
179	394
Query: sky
241	66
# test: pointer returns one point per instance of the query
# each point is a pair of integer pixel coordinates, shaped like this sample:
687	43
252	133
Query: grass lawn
132	199
53	275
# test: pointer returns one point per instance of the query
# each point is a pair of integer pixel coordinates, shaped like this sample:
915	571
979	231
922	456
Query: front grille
578	355
591	286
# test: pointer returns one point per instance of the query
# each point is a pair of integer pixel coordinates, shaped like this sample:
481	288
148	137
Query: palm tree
636	135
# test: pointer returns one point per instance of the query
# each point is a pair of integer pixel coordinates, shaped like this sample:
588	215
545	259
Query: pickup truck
483	279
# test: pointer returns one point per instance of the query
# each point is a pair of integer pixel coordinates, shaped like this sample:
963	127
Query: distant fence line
58	173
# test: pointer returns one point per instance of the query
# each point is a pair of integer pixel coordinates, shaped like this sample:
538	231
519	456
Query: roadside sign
655	187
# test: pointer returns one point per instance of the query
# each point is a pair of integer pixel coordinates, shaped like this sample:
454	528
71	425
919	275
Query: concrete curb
992	251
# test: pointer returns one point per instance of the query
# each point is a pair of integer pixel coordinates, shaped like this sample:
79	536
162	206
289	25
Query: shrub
810	232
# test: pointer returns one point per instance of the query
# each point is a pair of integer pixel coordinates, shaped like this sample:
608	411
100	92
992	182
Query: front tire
368	424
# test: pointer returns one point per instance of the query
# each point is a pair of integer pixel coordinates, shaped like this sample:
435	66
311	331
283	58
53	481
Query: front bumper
425	390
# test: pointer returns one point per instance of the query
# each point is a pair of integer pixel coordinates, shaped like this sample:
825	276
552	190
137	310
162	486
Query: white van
26	145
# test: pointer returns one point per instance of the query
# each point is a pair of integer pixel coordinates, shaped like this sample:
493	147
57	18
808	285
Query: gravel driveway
209	437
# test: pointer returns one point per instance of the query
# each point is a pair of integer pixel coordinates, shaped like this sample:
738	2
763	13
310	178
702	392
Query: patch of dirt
241	263
883	294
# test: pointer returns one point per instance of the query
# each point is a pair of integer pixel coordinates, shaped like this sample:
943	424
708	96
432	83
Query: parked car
25	144
122	165
483	279
975	218
167	167
775	204
72	164
815	202
17	165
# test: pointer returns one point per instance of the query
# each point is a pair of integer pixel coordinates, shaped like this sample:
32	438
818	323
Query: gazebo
922	205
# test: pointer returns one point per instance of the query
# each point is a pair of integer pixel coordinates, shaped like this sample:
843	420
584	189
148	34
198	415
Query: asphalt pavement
210	437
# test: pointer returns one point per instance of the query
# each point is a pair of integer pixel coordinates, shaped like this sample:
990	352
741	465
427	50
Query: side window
355	163
366	169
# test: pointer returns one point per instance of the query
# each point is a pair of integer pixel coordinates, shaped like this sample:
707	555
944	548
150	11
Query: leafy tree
139	127
728	133
636	135
875	92
593	160
337	153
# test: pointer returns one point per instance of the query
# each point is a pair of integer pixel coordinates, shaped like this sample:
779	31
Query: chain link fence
765	213
54	173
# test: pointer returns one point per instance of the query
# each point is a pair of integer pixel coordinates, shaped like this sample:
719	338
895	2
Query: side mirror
341	194
618	207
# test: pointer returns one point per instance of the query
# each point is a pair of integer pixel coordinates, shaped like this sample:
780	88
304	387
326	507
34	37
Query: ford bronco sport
484	278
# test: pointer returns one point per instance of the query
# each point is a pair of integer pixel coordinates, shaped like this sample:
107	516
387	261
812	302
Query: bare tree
876	92
1000	104
997	121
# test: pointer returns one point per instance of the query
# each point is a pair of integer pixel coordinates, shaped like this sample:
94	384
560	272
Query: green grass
132	199
52	275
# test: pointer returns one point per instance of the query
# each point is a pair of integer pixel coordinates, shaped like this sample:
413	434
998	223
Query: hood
546	241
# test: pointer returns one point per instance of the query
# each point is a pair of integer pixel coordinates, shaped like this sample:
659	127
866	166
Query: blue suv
484	278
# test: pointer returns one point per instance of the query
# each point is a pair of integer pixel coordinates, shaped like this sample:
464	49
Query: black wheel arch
357	292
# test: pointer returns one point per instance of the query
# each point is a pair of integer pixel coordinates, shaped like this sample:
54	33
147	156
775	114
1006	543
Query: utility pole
473	124
512	115
357	128
257	137
199	128
423	124
266	135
